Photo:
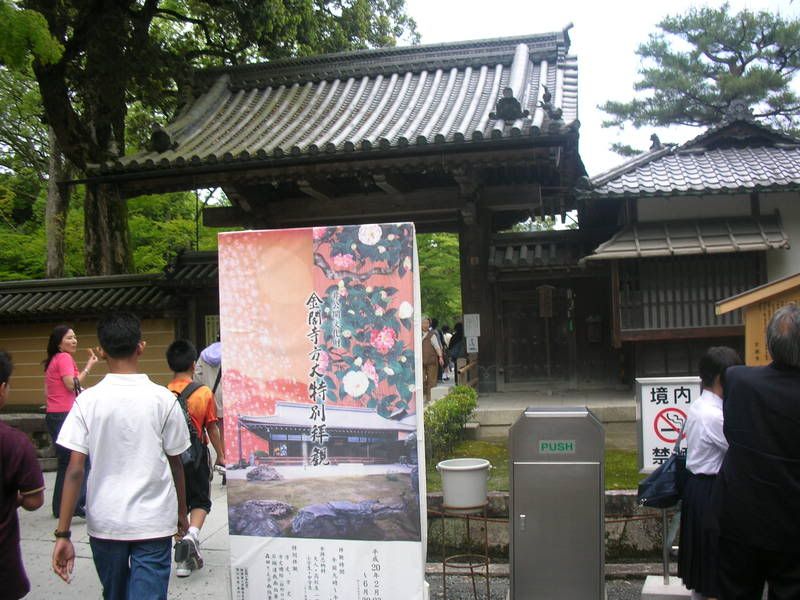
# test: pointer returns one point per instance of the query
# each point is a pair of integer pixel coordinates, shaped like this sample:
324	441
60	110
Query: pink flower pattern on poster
363	276
382	340
343	261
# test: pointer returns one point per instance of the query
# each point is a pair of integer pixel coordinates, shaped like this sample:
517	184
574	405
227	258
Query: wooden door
538	333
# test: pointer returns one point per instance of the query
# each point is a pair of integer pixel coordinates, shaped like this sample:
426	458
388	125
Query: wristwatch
63	534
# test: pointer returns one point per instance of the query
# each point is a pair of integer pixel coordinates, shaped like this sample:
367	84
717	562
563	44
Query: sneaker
182	569
187	556
195	560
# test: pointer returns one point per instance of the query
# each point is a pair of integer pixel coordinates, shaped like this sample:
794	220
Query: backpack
196	452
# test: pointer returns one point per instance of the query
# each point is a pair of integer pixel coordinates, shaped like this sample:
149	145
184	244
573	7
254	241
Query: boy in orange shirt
201	410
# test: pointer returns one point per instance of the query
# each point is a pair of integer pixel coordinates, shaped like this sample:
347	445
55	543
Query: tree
440	276
25	33
115	52
747	56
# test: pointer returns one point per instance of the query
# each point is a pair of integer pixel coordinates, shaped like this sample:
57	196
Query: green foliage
133	57
748	56
546	223
445	420
161	226
625	149
23	136
22	235
25	34
622	470
440	276
621	466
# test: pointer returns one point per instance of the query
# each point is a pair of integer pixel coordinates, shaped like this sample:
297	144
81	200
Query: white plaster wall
693	207
781	263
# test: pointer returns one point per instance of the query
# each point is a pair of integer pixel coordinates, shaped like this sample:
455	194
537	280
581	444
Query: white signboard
472	345
662	404
472	325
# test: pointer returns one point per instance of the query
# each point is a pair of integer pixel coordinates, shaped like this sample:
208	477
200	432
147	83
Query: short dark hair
119	334
6	366
715	361
180	355
783	336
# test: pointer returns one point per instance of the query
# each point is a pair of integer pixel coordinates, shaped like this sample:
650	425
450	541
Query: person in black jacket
757	494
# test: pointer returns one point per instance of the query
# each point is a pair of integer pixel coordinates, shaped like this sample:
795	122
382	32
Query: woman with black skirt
705	448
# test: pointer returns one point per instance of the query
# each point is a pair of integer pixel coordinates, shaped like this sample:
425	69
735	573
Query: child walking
134	431
198	402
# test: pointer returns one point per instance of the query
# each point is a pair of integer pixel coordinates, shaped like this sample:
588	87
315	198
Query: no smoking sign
662	407
668	424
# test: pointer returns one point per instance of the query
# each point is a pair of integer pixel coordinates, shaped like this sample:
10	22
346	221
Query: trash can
557	547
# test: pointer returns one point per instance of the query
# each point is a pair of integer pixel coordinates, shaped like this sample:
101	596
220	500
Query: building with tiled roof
468	137
474	137
697	223
364	104
181	302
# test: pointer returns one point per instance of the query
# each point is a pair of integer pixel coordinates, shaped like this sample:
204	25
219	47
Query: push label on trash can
556	446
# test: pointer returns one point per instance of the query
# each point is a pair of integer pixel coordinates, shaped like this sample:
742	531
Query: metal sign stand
665	544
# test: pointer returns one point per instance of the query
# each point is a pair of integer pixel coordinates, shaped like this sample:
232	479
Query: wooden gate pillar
474	235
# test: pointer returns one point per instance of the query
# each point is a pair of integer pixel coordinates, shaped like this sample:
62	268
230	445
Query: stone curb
613	570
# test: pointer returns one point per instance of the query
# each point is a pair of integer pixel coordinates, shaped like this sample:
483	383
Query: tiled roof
81	296
695	169
385	99
538	250
89	296
709	236
290	414
193	269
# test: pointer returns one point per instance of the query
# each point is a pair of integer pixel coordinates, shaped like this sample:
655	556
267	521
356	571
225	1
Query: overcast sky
604	38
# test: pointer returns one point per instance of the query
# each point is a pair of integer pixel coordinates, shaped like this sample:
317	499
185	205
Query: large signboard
662	405
320	329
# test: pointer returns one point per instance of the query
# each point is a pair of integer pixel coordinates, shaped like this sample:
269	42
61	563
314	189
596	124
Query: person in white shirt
135	431
705	448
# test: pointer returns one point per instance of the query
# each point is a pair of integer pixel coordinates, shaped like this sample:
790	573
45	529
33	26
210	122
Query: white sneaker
182	569
195	560
187	556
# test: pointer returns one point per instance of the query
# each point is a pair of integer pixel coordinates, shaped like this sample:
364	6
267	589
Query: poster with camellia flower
323	439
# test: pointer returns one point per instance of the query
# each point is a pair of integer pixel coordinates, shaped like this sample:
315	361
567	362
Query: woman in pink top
62	384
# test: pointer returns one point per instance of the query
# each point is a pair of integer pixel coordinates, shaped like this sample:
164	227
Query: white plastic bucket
464	483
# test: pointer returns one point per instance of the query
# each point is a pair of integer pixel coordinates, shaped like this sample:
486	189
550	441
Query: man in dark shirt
757	491
22	485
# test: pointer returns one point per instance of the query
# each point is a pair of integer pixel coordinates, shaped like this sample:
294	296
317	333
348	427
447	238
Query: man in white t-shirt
135	431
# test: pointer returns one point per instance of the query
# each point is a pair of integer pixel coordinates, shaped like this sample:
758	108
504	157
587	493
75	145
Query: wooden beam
392	183
645	335
758	294
616	341
244	196
442	204
317	188
467	179
532	151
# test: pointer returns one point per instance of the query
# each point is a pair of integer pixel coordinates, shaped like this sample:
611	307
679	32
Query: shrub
445	420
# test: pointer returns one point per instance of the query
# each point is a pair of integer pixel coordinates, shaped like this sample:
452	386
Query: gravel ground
460	588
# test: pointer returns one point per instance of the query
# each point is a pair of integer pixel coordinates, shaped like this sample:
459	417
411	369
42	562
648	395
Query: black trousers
743	571
54	421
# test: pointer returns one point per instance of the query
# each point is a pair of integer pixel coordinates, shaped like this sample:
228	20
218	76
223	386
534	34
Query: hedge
445	420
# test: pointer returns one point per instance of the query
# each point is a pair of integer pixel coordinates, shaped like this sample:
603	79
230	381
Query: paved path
37	548
212	582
